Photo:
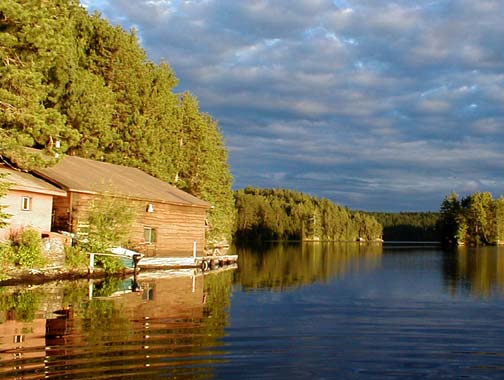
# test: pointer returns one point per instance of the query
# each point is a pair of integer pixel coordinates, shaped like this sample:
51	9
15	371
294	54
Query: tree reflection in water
280	266
179	326
478	271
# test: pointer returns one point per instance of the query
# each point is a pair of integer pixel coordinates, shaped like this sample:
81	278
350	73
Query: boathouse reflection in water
163	328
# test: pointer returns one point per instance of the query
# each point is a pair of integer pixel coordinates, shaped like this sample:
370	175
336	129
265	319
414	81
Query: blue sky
376	105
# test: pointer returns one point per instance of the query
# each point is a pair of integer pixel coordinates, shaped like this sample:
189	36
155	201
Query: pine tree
448	225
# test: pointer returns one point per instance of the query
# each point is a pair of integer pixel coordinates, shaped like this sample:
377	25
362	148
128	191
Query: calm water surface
318	311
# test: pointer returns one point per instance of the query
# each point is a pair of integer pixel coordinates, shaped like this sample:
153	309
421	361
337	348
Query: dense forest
473	220
280	214
409	226
72	83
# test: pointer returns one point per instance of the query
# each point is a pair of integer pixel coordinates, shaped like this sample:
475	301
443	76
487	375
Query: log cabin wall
175	227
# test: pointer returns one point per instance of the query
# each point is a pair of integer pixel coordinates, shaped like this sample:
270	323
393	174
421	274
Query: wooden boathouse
168	220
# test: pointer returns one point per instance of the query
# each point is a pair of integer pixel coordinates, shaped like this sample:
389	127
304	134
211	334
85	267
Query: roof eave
27	189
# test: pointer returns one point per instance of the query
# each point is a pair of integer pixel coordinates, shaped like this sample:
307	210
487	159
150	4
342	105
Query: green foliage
449	220
109	264
499	219
25	249
6	258
110	221
76	257
34	41
7	254
409	226
279	214
474	220
72	77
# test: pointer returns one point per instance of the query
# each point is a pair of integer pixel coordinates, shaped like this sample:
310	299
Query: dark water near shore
317	311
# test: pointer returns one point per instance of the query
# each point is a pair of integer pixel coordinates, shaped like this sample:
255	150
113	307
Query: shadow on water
150	328
478	271
287	265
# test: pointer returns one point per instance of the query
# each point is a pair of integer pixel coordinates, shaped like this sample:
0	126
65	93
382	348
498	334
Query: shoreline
40	276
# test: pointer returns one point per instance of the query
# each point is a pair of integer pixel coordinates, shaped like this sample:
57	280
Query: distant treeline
409	226
281	214
473	220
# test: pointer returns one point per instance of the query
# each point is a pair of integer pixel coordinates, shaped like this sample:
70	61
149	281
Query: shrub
76	258
6	254
27	248
6	259
110	222
109	264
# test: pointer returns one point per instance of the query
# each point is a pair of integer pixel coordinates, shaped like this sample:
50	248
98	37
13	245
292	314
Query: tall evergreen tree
447	224
30	51
499	220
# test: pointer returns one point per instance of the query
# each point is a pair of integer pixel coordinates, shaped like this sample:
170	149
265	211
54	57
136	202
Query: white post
91	262
195	249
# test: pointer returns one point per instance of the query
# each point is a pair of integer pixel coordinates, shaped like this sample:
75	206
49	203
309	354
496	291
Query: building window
26	203
149	235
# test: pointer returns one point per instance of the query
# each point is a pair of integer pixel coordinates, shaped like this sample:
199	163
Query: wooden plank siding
176	226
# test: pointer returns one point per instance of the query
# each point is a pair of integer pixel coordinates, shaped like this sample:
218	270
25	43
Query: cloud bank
377	105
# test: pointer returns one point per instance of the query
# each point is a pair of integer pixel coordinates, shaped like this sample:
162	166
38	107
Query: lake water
313	311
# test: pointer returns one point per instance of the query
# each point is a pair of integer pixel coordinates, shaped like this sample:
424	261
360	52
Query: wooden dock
202	262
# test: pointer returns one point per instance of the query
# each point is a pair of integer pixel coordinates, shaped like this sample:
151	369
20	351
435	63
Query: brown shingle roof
26	182
87	176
